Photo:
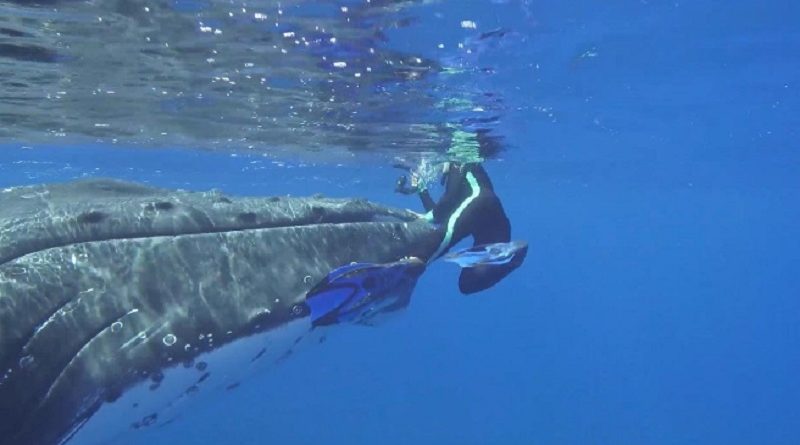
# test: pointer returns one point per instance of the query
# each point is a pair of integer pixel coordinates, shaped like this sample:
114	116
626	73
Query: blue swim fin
328	299
357	292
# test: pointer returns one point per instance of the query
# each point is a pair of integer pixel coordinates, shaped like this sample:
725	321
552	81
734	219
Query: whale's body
114	295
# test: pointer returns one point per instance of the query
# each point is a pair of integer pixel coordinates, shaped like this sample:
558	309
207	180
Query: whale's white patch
157	401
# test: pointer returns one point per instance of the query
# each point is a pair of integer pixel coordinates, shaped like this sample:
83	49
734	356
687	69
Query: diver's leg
489	224
476	279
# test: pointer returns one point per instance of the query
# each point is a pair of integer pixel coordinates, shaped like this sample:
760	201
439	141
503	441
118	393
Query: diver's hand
401	186
415	181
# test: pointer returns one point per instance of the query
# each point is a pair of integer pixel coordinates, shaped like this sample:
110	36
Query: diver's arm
427	201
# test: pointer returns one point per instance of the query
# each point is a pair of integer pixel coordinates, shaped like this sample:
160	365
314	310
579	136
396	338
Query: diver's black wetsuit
483	217
469	206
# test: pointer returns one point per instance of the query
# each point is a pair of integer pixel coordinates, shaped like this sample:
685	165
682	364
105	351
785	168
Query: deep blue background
658	190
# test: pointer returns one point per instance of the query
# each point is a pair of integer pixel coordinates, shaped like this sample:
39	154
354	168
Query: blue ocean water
652	166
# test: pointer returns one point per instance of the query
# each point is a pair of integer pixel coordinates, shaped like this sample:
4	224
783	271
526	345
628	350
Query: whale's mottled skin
105	284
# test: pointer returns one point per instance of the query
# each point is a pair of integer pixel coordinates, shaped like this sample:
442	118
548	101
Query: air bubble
26	361
116	326
169	339
298	310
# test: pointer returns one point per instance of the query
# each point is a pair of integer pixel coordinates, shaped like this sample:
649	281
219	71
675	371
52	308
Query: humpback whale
112	293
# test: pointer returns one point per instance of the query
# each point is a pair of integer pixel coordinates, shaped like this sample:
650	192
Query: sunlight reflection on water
297	75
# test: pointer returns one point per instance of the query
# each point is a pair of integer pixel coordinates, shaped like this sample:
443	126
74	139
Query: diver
358	292
468	207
